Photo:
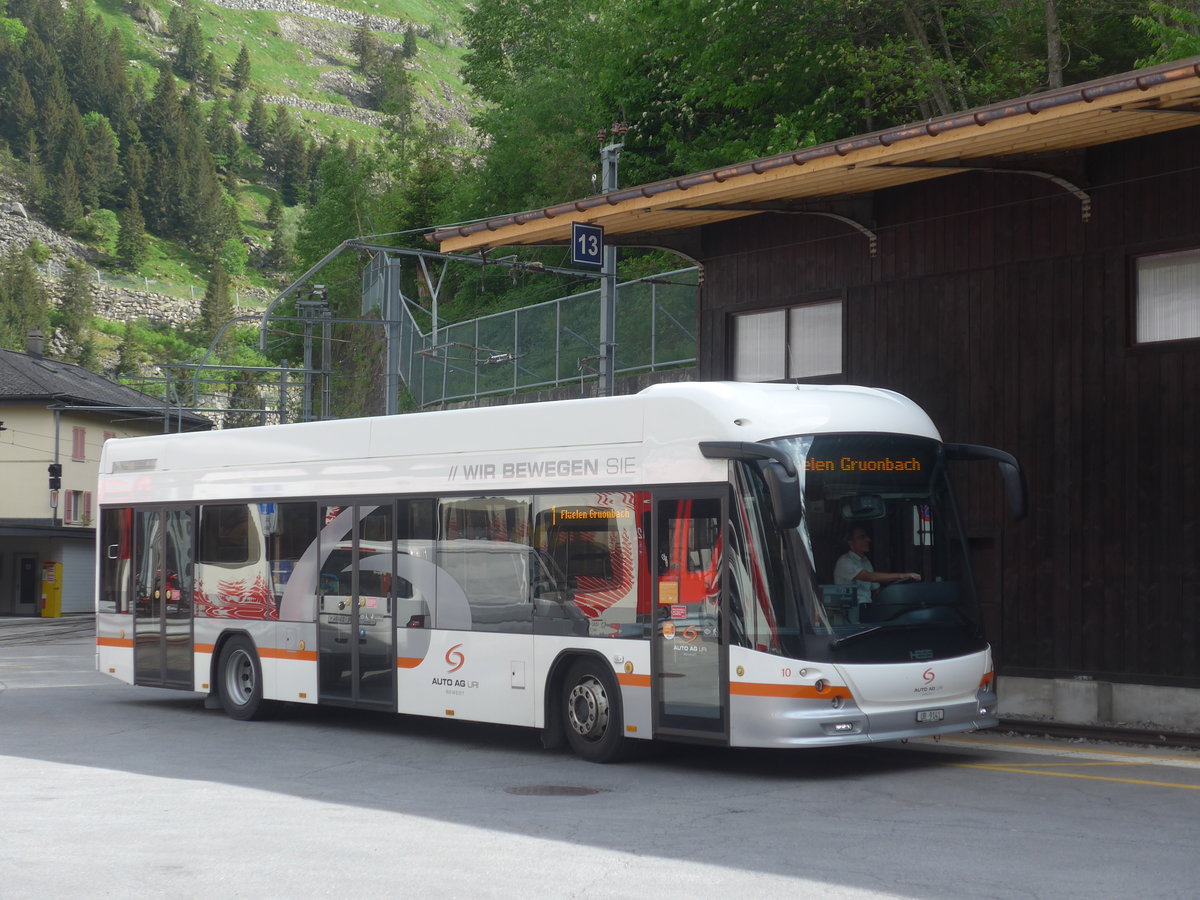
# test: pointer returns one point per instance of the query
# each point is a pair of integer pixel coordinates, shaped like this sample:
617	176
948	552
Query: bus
607	570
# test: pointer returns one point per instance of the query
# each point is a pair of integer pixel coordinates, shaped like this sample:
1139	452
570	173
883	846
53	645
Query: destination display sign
870	462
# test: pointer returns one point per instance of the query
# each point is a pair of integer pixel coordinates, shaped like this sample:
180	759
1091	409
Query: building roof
1134	104
35	379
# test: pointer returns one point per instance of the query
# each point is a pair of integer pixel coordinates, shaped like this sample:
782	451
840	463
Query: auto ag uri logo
928	675
455	658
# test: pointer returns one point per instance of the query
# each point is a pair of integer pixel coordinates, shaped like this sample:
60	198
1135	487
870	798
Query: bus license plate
930	715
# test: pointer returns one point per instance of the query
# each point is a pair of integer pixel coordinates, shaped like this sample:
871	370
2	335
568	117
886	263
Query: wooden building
1028	272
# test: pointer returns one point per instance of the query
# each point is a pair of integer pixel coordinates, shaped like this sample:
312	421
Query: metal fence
55	269
547	345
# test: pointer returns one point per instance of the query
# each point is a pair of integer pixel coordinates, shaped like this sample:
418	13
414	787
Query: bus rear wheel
240	683
592	713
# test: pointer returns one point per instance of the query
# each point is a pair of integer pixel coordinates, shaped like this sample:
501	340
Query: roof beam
1085	199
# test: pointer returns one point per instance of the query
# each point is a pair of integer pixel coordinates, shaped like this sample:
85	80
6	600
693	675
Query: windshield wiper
851	637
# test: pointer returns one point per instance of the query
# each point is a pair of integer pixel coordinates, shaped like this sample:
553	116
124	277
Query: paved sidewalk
35	630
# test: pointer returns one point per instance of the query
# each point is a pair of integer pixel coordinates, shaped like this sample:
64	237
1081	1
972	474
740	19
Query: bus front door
162	614
689	658
356	628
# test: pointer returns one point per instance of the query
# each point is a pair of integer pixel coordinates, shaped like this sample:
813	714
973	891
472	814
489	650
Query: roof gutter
1088	92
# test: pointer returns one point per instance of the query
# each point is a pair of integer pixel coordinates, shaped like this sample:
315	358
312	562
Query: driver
853	566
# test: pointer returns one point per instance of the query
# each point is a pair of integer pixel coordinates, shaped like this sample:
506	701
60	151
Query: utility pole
315	307
610	156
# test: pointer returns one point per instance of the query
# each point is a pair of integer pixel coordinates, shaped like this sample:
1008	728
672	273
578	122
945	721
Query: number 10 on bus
587	245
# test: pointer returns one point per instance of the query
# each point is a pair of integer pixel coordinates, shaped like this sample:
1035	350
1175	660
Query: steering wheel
908	579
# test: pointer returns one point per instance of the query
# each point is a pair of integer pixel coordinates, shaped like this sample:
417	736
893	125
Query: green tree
239	78
190	49
87	356
705	85
132	244
366	47
129	353
224	141
12	33
164	132
293	174
208	76
410	43
77	307
1174	30
67	209
71	142
135	164
94	85
279	255
20	125
392	89
274	212
102	159
23	300
258	124
37	184
216	307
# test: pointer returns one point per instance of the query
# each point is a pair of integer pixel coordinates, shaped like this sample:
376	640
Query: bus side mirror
1010	471
784	488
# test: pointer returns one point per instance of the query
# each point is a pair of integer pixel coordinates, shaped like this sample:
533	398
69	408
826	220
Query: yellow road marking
1072	765
1042	749
1019	771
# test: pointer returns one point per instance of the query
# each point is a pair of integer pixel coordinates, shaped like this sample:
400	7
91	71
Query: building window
79	444
780	344
1168	297
77	507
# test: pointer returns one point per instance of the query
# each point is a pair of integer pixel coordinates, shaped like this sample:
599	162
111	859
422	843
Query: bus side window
589	543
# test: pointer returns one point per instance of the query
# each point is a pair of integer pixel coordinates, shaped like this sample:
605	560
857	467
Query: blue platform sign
587	245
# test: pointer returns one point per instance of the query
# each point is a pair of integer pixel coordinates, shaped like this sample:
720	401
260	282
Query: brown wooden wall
996	307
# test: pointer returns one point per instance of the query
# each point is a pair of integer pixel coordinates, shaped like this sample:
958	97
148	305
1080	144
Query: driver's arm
887	577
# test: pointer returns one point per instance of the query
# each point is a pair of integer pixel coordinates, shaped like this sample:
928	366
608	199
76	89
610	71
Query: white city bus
606	570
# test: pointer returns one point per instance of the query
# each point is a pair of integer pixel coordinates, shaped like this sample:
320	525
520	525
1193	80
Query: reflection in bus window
761	614
689	552
415	584
225	533
484	547
591	540
116	528
233	580
291	528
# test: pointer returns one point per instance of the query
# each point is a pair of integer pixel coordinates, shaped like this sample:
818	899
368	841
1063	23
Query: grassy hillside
307	58
301	57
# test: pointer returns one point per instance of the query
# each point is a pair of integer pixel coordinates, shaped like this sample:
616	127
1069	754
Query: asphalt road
108	790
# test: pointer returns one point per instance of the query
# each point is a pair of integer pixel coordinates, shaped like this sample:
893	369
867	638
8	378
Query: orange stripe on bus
114	642
271	653
204	648
791	691
633	680
409	662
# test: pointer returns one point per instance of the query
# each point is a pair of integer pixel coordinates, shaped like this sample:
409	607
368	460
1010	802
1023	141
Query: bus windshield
882	566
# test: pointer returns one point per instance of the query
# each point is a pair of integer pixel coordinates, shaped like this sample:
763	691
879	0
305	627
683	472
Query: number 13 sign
587	245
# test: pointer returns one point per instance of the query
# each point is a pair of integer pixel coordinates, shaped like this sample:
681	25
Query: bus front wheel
592	712
240	682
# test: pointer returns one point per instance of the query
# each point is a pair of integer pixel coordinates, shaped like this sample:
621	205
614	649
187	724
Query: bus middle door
689	657
356	600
